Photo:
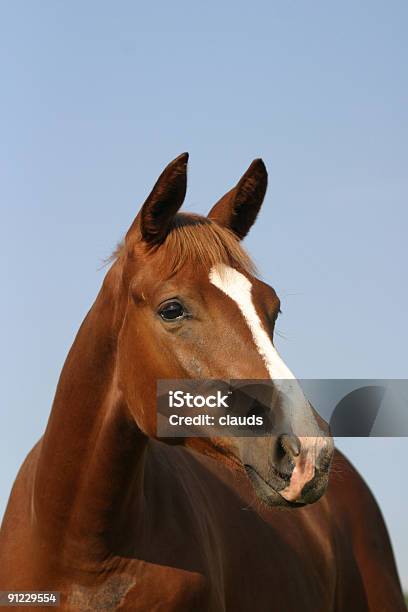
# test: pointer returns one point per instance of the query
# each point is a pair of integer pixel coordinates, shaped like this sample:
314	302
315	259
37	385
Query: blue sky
98	96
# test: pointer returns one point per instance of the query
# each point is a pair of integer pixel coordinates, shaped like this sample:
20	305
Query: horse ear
239	208
162	204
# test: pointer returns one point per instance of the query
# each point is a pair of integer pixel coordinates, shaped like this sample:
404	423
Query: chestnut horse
116	519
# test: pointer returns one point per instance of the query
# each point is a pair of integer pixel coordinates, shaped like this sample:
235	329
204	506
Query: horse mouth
268	493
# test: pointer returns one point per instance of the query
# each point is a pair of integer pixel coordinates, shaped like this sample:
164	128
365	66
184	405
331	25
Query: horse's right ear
238	209
154	219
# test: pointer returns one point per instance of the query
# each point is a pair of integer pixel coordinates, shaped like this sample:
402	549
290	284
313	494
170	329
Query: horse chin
271	497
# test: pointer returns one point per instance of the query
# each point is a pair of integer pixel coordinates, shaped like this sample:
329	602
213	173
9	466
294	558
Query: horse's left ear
238	209
153	221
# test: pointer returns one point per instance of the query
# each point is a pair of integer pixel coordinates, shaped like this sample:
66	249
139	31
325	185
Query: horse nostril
290	444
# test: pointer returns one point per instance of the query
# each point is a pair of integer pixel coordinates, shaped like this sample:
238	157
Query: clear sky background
96	97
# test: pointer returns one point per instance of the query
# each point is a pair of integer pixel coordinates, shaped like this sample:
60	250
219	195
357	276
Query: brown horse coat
117	520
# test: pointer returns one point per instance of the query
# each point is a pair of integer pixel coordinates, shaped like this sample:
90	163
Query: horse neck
90	466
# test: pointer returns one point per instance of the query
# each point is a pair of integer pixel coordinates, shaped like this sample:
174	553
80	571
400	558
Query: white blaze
239	288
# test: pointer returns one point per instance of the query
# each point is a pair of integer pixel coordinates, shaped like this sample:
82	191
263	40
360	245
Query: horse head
193	307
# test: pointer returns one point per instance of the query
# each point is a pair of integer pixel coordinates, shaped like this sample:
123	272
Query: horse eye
171	311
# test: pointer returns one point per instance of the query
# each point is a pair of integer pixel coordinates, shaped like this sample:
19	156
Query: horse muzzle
297	474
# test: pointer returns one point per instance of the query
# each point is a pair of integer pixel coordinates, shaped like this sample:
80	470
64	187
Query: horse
113	517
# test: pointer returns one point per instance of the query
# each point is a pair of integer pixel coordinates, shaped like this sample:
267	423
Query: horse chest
141	587
224	554
237	564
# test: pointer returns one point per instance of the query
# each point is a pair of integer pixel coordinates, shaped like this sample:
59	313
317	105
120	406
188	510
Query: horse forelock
194	240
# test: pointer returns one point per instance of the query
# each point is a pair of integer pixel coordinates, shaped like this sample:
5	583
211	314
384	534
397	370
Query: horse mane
194	240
